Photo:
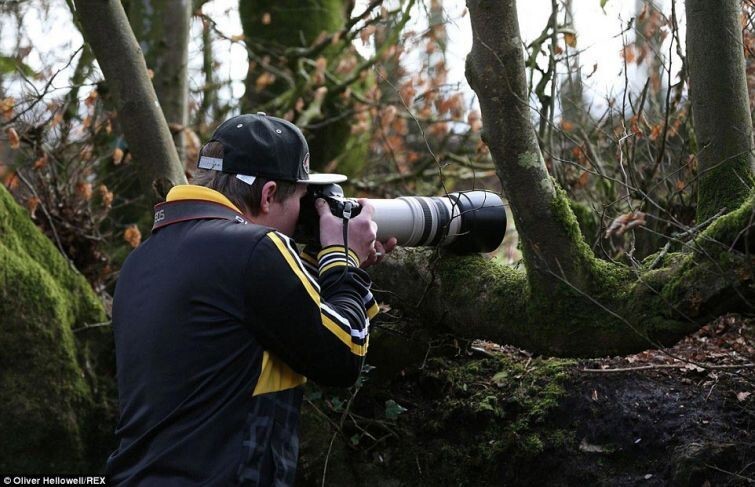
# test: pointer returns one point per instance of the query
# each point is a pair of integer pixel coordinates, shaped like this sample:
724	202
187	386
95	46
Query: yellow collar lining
194	192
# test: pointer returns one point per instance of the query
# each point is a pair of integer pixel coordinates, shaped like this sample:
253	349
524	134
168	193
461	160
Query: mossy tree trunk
107	31
567	302
720	105
495	70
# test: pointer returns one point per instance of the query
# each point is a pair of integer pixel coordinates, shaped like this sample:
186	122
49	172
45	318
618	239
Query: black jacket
216	325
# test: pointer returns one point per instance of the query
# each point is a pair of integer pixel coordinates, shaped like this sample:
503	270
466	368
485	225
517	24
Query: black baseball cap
269	147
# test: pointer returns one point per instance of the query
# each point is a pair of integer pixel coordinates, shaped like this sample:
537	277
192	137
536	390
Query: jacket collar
194	192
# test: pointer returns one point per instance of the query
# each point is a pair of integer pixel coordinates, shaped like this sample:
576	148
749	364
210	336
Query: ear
268	196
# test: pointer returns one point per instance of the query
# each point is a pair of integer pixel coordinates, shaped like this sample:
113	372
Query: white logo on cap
305	163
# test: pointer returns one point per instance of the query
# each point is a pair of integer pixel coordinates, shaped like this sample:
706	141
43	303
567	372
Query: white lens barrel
417	221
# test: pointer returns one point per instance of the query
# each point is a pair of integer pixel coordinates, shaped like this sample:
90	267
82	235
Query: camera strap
171	212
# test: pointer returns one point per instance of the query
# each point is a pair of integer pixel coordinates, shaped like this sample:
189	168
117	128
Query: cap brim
324	178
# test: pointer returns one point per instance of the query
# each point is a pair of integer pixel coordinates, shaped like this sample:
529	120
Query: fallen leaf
742	396
589	448
266	19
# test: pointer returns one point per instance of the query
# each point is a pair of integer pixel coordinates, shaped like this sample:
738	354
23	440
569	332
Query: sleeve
311	258
319	329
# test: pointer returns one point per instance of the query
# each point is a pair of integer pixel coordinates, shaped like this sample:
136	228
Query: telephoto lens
465	222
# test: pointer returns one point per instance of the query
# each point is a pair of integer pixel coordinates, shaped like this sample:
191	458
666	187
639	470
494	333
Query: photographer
218	323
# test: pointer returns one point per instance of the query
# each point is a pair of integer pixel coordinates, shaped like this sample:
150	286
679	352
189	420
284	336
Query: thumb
321	206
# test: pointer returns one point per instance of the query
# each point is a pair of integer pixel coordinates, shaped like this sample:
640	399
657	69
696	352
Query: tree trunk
107	31
720	105
495	70
166	52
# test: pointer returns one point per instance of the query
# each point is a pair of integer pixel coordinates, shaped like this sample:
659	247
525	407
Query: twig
327	457
670	366
94	325
49	217
748	479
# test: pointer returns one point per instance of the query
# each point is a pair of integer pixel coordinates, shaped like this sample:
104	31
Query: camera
465	221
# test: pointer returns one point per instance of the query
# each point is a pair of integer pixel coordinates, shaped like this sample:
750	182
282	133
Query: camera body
340	206
308	227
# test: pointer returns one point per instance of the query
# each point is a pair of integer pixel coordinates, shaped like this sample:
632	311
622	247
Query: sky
598	38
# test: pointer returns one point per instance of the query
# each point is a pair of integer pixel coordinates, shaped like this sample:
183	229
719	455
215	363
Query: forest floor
682	416
483	414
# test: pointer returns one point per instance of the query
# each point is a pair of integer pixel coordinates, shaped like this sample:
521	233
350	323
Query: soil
483	414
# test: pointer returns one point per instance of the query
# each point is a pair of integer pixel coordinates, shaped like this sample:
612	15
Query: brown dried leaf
625	222
13	139
474	120
266	18
105	195
84	190
132	235
570	39
117	156
583	180
56	120
365	34
32	204
11	180
264	80
629	54
41	162
91	98
6	107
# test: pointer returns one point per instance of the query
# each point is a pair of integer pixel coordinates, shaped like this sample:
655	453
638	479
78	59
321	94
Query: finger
390	244
367	207
321	206
371	259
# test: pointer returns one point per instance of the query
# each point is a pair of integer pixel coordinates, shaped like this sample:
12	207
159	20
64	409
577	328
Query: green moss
588	220
51	392
724	185
478	416
729	230
530	160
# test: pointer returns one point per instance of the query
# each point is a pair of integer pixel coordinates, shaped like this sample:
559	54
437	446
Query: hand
362	230
379	251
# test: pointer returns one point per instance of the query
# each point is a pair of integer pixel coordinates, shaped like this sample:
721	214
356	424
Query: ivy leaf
337	404
10	65
393	409
314	395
